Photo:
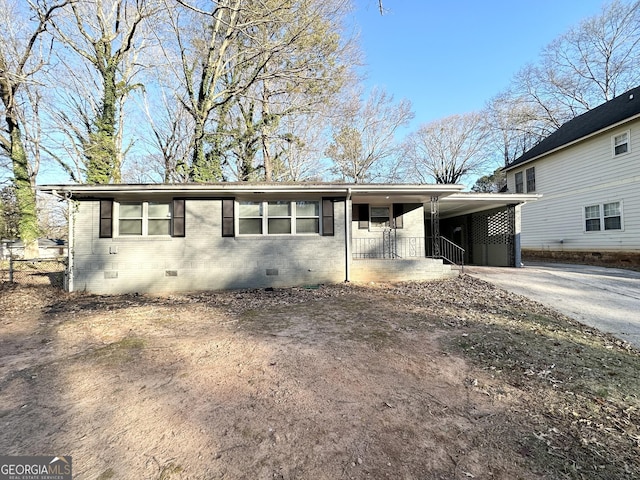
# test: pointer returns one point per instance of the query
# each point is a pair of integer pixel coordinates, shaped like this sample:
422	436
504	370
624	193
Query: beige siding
578	176
203	260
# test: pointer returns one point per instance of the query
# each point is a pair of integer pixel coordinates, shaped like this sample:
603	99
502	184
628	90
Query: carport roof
465	203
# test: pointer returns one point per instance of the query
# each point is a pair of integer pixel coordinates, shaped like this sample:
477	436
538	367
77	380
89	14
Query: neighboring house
153	238
48	248
588	173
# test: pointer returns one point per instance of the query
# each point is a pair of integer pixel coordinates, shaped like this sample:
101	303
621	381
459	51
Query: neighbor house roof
608	115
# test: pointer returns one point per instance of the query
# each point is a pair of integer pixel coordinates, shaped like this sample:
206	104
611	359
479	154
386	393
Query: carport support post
435	227
517	254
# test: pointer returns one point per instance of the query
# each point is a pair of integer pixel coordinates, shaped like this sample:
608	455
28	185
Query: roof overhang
469	202
517	164
364	193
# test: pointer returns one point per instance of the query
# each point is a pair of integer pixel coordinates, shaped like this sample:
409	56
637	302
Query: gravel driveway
604	298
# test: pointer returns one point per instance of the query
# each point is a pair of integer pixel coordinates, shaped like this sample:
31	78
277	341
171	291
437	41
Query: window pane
159	227
621	149
380	212
307	225
592	211
519	183
279	225
130	210
159	210
612	223
621	144
307	209
279	209
250	226
130	227
611	209
593	225
250	209
531	180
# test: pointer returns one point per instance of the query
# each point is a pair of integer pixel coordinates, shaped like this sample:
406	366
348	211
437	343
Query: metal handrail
451	252
396	247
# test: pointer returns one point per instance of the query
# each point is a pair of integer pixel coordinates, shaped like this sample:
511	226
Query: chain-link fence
35	271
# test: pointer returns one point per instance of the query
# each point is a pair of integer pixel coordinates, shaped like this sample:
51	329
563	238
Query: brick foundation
629	259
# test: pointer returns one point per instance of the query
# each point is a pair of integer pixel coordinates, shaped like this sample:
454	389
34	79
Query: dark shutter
363	215
398	210
327	217
228	223
178	225
106	219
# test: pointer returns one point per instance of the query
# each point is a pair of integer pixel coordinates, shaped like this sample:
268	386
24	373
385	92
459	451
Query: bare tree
23	53
516	125
448	149
583	68
237	63
108	36
364	138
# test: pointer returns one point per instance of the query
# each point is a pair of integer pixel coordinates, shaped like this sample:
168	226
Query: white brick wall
203	259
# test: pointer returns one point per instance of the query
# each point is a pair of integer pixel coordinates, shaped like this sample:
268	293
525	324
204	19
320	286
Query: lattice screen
495	227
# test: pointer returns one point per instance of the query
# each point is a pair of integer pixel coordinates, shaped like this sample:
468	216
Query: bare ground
440	380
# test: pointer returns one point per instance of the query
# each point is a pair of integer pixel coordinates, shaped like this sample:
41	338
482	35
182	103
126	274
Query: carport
486	225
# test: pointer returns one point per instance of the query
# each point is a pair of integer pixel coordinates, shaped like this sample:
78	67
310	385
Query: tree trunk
101	152
25	193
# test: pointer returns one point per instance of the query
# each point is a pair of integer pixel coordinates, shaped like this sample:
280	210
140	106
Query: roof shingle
609	113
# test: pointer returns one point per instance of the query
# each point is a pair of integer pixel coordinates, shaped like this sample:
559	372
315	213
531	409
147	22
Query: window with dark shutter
327	217
106	219
398	210
178	224
361	213
227	217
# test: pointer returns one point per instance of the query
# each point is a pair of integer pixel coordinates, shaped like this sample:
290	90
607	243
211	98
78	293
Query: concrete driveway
605	298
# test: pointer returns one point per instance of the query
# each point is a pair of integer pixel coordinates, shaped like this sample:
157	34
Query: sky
452	56
448	56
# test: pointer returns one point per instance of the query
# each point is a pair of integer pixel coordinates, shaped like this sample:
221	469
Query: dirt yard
442	380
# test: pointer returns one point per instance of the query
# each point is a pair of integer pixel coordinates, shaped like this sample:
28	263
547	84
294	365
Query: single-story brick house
160	237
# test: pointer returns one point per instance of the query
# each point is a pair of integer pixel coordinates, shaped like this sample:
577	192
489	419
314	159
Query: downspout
347	236
70	234
70	243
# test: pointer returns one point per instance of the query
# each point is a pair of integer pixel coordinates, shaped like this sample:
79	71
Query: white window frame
602	217
144	219
373	227
527	180
293	217
522	182
614	143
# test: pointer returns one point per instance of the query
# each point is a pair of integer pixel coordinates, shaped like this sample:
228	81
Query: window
606	216
307	217
519	183
592	218
379	217
250	218
144	218
279	217
621	143
531	179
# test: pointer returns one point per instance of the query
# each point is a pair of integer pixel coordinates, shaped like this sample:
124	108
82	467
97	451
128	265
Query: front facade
164	238
588	173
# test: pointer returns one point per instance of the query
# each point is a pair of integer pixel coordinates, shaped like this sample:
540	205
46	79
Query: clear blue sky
452	56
